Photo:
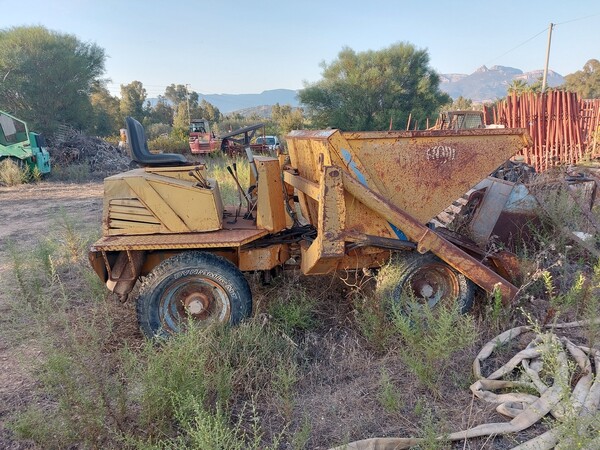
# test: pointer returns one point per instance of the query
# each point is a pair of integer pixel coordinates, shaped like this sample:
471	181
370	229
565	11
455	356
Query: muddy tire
193	285
430	280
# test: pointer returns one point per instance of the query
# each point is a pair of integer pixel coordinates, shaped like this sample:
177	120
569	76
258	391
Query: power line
576	20
514	48
536	35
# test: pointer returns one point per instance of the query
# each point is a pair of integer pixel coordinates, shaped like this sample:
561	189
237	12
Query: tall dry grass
318	365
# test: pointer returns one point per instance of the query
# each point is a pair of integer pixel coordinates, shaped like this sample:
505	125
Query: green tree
520	86
178	93
585	82
46	77
133	96
461	104
106	115
181	121
162	112
364	91
287	118
208	111
517	86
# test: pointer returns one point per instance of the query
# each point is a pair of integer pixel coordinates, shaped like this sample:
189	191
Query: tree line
49	78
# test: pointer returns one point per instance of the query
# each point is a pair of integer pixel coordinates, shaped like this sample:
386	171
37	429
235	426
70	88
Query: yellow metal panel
270	213
196	207
114	216
310	154
420	172
302	184
214	239
170	195
328	248
263	258
126	202
179	172
154	202
118	227
116	209
423	172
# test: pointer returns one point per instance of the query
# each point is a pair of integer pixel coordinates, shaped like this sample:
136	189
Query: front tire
195	285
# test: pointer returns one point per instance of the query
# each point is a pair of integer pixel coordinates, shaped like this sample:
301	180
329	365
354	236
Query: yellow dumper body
355	187
362	196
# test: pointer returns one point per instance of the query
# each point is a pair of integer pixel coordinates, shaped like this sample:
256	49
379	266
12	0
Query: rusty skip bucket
391	184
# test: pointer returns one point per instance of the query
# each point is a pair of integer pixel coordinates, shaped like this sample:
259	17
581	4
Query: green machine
24	147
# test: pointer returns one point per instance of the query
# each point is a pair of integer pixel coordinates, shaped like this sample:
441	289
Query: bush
12	174
169	144
75	173
292	310
157	129
430	338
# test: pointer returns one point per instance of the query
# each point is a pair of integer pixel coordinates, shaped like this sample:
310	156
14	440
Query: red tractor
202	140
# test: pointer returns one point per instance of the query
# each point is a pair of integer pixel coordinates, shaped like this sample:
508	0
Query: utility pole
187	97
547	57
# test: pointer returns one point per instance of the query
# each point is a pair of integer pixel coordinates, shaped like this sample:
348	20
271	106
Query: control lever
198	176
248	214
239	208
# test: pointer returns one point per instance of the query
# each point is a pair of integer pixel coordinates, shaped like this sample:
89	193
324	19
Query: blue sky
246	47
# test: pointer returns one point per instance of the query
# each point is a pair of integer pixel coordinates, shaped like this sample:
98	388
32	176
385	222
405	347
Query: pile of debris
71	147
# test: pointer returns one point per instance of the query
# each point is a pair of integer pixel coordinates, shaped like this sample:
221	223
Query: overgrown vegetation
13	173
319	364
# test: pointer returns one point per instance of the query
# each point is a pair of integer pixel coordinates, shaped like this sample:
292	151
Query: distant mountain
262	111
452	77
488	84
228	103
485	84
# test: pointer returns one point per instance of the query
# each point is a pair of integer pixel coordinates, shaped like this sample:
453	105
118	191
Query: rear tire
194	285
429	280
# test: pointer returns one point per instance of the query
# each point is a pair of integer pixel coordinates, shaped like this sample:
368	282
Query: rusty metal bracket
129	264
429	240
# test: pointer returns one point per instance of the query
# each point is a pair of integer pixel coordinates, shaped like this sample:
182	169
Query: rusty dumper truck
338	201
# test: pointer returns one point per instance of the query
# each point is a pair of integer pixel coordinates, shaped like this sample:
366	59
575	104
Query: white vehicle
270	141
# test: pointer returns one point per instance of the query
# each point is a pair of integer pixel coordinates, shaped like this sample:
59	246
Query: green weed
170	144
431	438
211	366
217	168
430	338
572	298
293	310
373	322
284	382
301	438
497	315
388	395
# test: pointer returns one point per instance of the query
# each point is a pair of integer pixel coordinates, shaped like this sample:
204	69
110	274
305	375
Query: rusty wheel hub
196	304
434	284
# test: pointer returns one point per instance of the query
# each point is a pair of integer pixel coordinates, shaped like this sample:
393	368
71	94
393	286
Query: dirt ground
27	212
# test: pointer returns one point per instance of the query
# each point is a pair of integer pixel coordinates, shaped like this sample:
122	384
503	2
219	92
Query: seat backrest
140	152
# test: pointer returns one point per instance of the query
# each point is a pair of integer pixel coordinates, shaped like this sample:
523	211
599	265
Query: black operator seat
140	152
